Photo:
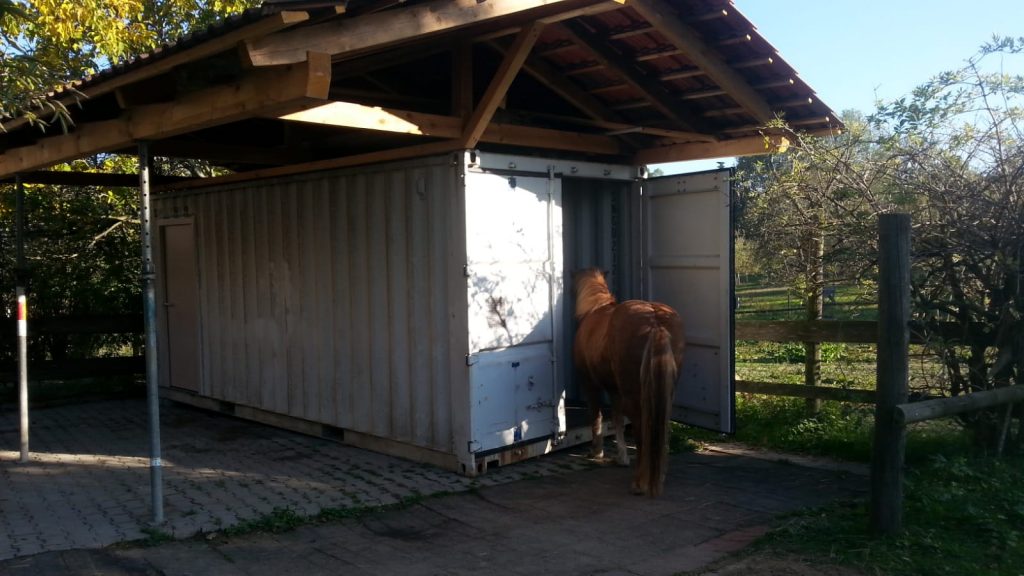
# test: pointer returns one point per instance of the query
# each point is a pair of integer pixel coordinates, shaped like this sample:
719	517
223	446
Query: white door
514	252
687	261
180	304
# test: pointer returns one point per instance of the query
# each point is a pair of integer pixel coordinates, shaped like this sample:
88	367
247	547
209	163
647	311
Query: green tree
82	242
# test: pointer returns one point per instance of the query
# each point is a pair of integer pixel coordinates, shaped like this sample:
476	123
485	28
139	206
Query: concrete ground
88	487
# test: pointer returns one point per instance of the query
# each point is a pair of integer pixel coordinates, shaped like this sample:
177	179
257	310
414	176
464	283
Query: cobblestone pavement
88	487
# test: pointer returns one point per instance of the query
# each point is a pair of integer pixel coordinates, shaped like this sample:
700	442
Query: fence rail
75	368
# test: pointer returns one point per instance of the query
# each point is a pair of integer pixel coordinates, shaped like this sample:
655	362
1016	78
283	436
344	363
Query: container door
181	304
687	262
514	284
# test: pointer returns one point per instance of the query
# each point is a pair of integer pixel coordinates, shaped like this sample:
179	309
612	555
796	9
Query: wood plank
362	117
854	331
225	153
652	88
276	89
749	146
268	25
351	37
318	165
499	85
104	179
804	391
912	412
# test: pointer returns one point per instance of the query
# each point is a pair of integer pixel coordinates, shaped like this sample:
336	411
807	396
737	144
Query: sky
852	52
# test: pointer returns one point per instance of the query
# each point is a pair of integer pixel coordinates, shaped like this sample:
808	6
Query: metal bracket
472	359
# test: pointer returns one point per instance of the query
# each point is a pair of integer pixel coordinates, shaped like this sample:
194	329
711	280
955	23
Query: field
963	510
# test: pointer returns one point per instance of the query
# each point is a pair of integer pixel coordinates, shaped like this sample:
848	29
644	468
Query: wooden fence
892	333
69	369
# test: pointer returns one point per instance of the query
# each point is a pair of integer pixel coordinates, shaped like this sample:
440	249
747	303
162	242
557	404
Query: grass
961	516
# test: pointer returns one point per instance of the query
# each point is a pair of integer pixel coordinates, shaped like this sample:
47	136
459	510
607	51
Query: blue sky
852	51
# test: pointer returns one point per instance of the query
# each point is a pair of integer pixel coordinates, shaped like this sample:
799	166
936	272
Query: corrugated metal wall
331	296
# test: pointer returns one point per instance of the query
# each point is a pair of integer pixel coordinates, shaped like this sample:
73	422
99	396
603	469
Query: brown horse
633	351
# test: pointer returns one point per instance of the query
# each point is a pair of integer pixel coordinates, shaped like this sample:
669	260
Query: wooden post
815	251
893	372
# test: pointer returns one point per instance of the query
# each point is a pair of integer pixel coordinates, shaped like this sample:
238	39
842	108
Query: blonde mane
591	292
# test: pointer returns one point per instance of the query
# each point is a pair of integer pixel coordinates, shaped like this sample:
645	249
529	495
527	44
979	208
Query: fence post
893	372
20	277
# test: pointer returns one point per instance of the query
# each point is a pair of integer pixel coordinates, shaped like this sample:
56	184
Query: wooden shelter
410	183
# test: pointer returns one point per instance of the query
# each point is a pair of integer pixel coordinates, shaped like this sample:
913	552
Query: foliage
961	517
952	154
82	243
45	44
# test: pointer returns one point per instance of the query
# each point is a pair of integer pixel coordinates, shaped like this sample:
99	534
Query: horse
634	352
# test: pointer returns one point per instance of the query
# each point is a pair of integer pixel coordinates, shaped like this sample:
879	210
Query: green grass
962	514
961	517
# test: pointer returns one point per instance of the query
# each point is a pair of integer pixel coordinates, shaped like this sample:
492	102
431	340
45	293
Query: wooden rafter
654	90
104	179
416	151
226	153
500	83
685	37
560	85
275	89
350	37
268	25
360	117
749	146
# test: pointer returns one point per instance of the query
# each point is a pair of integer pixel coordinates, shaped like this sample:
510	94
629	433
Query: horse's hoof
636	490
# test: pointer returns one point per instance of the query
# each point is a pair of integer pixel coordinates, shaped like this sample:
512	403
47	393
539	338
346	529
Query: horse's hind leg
596	423
620	434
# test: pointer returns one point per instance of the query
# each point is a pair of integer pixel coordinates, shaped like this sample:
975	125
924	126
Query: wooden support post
815	254
893	372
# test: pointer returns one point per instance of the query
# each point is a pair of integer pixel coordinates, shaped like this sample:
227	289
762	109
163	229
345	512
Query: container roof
294	82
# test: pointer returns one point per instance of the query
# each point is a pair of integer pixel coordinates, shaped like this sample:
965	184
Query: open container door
687	261
514	266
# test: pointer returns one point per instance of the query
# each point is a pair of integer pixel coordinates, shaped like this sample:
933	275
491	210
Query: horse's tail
658	373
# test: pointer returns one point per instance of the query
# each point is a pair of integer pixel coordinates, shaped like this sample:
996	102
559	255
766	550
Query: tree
82	247
952	154
46	44
959	143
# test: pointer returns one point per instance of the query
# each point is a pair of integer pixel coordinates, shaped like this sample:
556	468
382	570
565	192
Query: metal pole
149	312
19	281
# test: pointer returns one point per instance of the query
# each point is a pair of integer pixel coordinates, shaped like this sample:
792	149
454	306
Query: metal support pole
19	282
149	313
893	373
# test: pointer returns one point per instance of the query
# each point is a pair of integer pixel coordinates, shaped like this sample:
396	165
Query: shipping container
424	308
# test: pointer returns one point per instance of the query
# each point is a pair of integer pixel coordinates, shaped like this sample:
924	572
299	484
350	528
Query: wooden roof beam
104	179
268	25
500	83
350	37
285	87
665	102
686	38
360	117
749	146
